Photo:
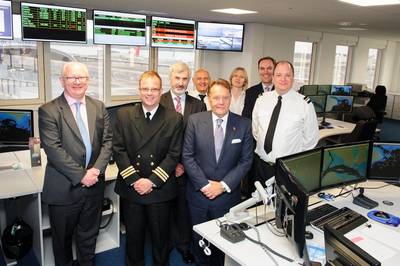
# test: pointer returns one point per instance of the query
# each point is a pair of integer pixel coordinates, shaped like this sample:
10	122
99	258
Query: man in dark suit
76	135
176	99
217	153
265	70
147	147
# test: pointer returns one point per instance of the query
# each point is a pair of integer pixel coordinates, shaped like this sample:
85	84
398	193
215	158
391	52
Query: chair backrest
364	130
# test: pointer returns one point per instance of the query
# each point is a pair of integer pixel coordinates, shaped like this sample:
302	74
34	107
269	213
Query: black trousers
262	170
181	224
137	217
83	217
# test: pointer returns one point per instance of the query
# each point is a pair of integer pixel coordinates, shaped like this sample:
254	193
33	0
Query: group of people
179	164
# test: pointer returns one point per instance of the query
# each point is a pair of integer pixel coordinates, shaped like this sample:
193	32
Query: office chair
378	102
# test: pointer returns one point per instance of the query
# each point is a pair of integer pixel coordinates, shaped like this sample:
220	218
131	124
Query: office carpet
390	130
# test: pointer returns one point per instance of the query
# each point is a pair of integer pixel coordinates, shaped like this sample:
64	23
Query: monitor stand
323	123
363	201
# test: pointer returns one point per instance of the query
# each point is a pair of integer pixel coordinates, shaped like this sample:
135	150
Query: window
371	67
127	64
302	62
167	57
340	68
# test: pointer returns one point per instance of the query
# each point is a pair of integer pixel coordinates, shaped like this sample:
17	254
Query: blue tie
84	132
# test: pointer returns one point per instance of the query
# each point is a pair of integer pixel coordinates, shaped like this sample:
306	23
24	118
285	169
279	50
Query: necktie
202	96
218	138
272	125
148	114
178	106
84	132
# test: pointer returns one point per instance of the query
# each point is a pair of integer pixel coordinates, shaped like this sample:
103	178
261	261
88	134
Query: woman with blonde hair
239	82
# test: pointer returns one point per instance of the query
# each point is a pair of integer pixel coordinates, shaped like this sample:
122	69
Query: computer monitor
16	127
341	90
6	20
385	162
341	251
338	104
291	206
344	164
319	102
324	89
309	90
308	178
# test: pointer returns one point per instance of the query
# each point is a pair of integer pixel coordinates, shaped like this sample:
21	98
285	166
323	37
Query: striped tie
178	106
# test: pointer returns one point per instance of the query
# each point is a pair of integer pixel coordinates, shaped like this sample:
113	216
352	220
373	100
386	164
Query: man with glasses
76	135
147	147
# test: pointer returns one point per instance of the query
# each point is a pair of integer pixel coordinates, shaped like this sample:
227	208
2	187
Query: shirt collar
152	112
224	118
72	101
183	96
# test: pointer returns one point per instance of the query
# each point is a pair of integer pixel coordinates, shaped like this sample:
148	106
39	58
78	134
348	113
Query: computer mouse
309	235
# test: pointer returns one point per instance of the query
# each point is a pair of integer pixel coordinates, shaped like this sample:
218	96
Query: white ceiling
317	15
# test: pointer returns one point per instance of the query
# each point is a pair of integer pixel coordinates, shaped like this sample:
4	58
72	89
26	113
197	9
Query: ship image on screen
307	177
119	28
5	20
319	102
338	103
172	33
385	161
219	36
344	164
15	126
53	23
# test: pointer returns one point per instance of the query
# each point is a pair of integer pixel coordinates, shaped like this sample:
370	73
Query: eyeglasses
152	90
80	79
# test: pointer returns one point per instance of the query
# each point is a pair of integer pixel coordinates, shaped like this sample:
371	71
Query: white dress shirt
194	93
296	129
238	104
71	102
152	112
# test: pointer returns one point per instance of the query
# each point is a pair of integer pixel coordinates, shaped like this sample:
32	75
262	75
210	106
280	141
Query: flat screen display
219	36
172	32
53	23
119	28
338	103
309	90
319	102
341	89
344	164
16	126
385	162
6	25
324	89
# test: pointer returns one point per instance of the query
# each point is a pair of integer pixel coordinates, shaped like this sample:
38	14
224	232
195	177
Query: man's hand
91	177
179	170
143	186
214	189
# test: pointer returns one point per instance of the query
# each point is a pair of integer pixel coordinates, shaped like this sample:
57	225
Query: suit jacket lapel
91	116
169	101
147	131
229	133
209	131
68	116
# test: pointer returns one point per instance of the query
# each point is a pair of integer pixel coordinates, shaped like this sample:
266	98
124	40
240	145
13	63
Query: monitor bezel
30	111
171	46
11	23
320	95
350	182
335	112
388	180
219	23
54	6
122	44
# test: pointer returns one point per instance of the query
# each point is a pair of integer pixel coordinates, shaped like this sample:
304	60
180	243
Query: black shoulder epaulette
308	100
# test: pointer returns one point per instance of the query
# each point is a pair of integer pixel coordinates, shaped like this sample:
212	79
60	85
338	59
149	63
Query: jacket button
137	164
151	163
138	155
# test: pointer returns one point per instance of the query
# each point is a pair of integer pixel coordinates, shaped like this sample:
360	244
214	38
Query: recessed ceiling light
372	2
352	28
234	11
148	12
345	23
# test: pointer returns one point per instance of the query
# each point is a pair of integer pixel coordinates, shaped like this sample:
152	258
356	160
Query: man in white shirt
284	122
201	80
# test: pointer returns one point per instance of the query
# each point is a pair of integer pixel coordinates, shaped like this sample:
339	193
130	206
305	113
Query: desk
247	253
27	184
338	128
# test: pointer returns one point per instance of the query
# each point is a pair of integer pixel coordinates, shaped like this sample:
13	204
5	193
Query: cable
110	217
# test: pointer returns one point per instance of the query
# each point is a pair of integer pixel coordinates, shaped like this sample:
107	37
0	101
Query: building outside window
302	62
340	67
371	67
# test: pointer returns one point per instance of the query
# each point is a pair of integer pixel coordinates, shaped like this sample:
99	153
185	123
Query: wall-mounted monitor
6	26
119	28
338	104
53	23
385	162
16	127
341	89
220	36
172	32
319	102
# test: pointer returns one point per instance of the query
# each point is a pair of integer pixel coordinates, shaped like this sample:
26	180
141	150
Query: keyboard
319	212
344	220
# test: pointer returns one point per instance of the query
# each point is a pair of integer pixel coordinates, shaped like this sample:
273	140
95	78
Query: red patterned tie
178	106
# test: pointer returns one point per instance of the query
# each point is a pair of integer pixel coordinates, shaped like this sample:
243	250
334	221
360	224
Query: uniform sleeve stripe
127	170
162	171
160	174
126	174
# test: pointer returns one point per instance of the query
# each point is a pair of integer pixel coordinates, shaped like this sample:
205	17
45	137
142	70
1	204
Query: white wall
264	40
